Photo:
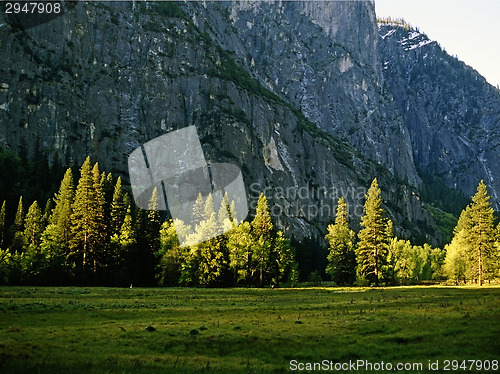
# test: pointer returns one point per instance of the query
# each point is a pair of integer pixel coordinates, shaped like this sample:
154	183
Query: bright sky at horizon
469	29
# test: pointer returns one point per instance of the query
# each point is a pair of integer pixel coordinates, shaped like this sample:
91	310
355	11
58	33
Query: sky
469	29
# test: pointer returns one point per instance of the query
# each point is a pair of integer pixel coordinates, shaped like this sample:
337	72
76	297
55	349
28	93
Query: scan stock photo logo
170	172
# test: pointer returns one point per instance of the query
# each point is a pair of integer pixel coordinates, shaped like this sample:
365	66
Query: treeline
375	256
90	233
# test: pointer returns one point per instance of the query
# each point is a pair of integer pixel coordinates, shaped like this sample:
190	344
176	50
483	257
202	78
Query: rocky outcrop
452	113
328	69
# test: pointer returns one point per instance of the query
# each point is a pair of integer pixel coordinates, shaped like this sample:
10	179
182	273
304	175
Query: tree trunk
480	270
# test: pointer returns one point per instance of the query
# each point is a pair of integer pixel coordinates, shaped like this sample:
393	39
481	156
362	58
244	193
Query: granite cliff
307	98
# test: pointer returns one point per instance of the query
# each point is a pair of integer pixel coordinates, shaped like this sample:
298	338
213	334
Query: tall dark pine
482	234
87	219
372	249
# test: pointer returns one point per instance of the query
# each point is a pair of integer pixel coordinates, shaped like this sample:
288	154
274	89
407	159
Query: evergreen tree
171	255
208	209
118	208
372	249
199	209
61	215
3	216
33	227
122	242
212	261
127	235
341	258
17	243
153	222
482	235
294	274
19	220
456	266
142	255
53	251
240	245
225	219
87	219
47	212
107	190
283	256
262	229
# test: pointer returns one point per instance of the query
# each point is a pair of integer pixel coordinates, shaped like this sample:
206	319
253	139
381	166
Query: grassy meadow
186	330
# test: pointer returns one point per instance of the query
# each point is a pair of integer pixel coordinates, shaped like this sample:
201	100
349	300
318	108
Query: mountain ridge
293	110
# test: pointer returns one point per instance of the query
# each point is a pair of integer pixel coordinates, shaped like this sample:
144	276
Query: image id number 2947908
46	7
469	365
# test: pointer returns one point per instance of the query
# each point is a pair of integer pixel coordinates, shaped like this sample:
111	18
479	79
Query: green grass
103	330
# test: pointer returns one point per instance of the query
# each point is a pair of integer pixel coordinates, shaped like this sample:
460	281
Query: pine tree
33	227
122	244
18	241
212	263
118	208
482	235
225	219
153	222
47	212
101	256
107	190
283	256
199	210
87	219
372	249
240	245
294	274
208	208
142	266
3	216
19	220
341	257
171	255
61	215
127	235
262	229
212	260
456	265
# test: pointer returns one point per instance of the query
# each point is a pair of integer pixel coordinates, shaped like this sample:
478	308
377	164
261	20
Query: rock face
297	94
328	69
452	113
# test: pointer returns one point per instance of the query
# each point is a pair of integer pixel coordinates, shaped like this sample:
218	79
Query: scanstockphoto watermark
378	366
357	365
308	201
